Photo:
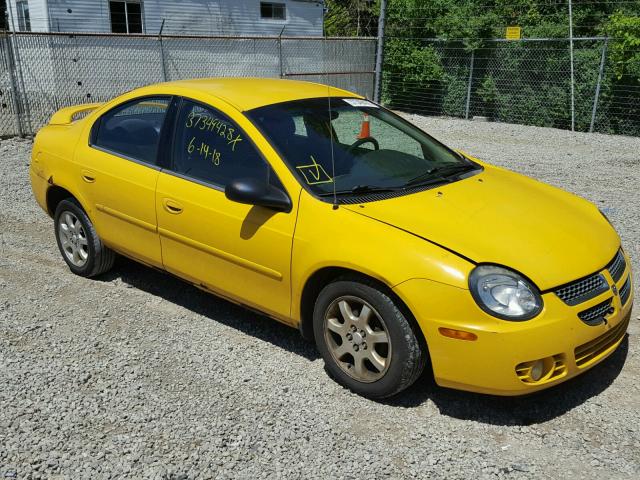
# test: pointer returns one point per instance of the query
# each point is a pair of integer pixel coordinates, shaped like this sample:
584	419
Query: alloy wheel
357	338
73	239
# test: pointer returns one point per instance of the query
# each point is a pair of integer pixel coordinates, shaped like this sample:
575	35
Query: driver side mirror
252	191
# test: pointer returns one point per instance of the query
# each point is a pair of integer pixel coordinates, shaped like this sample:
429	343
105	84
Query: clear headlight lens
503	293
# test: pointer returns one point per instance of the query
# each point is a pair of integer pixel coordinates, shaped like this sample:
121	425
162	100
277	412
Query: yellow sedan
329	213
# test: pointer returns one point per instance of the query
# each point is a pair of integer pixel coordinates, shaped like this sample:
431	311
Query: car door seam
123	216
221	254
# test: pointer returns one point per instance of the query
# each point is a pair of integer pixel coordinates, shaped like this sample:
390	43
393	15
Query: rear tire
78	241
367	343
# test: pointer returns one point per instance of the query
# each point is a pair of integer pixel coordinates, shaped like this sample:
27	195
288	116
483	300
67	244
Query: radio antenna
333	161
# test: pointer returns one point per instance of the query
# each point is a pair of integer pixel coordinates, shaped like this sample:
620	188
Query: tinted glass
24	20
118	17
356	145
209	146
133	129
134	16
273	10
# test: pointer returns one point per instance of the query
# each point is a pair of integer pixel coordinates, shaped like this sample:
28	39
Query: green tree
346	18
523	82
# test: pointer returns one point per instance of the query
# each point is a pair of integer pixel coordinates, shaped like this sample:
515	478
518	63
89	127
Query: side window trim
96	126
170	169
167	133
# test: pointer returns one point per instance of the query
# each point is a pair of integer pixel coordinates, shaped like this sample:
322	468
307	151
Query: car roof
249	93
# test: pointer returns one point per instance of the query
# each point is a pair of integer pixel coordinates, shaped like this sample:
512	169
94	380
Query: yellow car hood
497	216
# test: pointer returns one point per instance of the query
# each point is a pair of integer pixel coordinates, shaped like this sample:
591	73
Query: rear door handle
88	176
171	206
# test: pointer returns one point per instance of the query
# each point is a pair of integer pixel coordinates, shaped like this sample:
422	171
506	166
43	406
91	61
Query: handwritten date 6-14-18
204	150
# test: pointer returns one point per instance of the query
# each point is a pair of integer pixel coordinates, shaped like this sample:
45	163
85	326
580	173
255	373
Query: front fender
328	237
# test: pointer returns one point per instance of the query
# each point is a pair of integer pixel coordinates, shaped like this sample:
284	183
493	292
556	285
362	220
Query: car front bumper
498	361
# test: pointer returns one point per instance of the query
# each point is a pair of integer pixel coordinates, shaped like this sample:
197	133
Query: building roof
248	93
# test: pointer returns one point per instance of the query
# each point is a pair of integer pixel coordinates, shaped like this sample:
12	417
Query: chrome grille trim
595	315
625	291
583	289
617	266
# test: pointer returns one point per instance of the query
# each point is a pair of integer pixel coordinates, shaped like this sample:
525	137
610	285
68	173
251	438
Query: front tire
78	241
367	343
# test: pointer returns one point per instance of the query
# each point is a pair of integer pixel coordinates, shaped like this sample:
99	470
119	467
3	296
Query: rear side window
133	129
209	146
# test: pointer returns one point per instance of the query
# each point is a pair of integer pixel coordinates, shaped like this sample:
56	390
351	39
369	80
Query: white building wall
37	14
186	17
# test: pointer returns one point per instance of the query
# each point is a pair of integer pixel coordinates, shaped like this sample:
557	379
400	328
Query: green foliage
345	18
521	82
625	50
454	98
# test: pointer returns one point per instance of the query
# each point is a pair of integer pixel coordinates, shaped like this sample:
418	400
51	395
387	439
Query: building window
24	21
126	17
273	11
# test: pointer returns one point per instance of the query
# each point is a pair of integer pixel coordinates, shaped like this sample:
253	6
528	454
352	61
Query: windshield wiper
358	189
444	175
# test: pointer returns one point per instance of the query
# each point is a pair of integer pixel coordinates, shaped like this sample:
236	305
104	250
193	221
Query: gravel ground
139	375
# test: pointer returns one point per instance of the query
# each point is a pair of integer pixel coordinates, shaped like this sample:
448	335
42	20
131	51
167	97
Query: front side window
273	11
24	20
133	129
210	147
354	146
126	17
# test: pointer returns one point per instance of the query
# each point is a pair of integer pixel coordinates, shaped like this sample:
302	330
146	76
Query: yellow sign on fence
513	33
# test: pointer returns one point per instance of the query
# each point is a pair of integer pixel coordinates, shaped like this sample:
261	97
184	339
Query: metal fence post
162	61
12	79
21	90
573	100
466	112
377	88
280	52
597	95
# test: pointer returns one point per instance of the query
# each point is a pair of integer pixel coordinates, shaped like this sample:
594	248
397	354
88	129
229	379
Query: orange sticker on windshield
314	173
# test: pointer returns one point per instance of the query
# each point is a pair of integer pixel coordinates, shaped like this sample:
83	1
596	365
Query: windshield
354	146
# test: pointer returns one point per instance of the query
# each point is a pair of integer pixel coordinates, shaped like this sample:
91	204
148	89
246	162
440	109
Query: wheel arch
326	275
56	193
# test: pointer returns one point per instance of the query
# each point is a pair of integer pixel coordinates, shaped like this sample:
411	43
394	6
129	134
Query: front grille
625	291
595	315
583	289
617	266
594	350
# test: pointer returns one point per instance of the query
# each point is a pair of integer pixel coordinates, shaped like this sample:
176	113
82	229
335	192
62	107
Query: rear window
132	130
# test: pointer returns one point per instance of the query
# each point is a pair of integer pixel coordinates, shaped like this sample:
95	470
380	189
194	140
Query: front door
240	251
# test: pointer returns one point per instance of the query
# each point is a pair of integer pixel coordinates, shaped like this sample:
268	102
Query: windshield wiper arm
443	176
359	189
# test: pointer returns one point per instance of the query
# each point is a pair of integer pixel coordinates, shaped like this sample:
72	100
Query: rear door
240	251
119	171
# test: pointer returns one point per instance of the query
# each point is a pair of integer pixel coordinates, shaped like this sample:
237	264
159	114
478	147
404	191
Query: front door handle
88	176
171	206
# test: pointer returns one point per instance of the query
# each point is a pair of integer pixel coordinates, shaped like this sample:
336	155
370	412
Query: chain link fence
40	73
526	81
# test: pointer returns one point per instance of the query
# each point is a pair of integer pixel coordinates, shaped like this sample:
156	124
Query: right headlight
504	293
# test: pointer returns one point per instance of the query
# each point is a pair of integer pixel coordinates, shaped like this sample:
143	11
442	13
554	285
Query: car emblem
614	289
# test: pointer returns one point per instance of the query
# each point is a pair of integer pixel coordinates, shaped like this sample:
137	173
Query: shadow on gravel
222	311
536	408
528	410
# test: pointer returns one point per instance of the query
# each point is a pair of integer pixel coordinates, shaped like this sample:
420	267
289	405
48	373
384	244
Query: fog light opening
537	370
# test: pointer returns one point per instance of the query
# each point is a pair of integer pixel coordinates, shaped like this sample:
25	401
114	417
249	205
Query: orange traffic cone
365	132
